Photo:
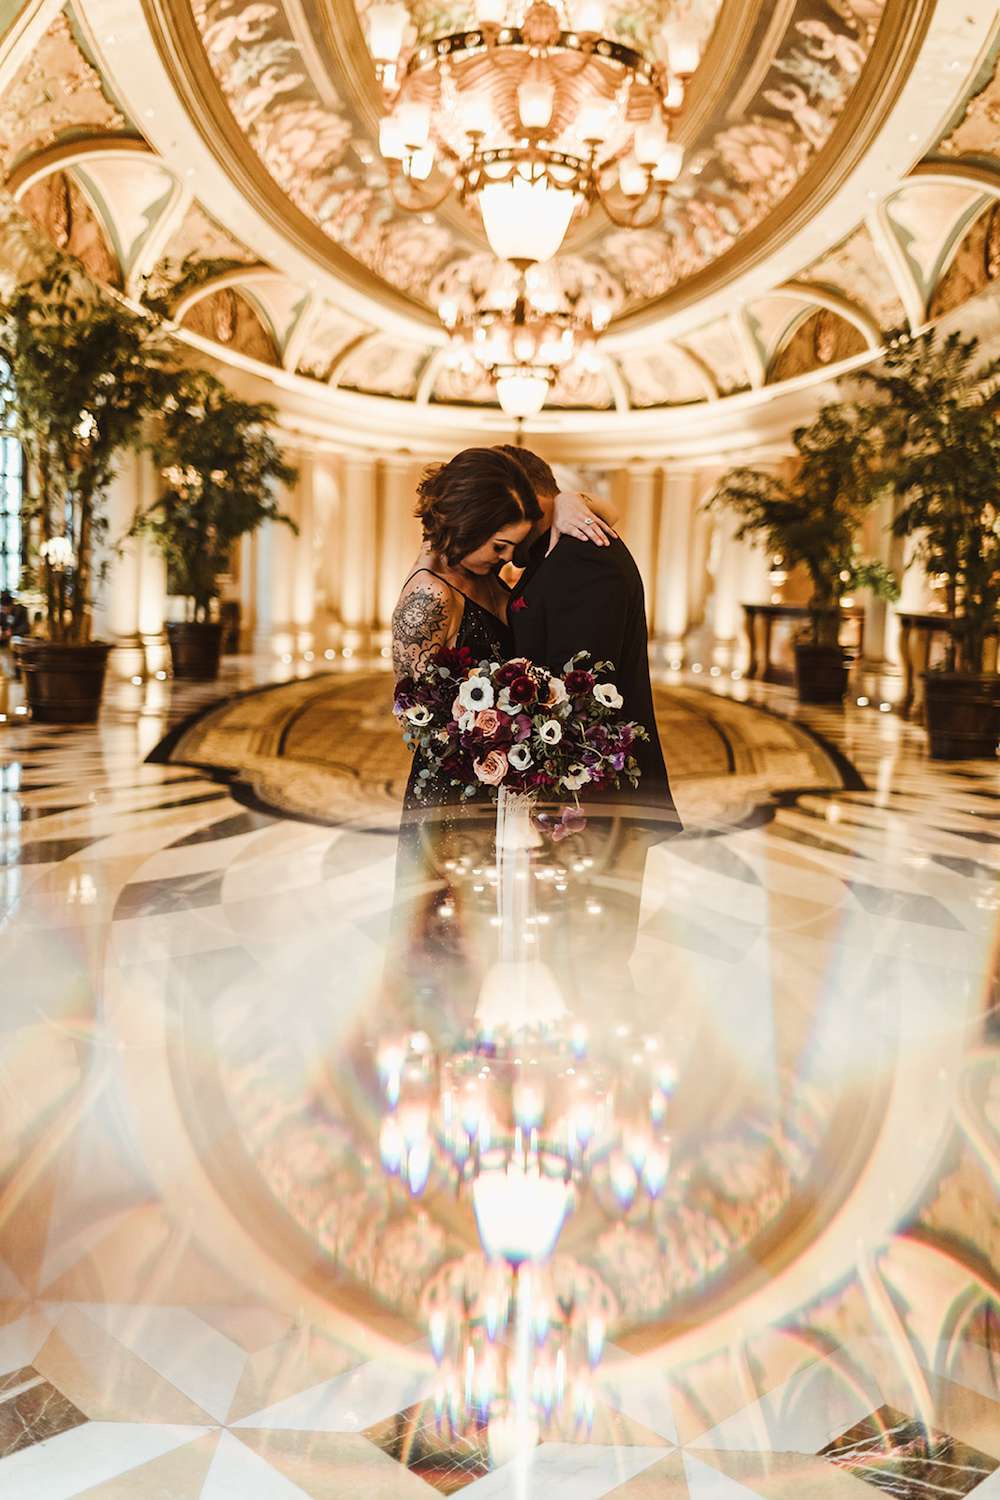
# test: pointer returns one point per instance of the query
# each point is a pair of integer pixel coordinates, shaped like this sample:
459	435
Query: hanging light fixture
522	336
531	117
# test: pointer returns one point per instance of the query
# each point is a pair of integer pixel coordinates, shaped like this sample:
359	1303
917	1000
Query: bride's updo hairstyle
469	499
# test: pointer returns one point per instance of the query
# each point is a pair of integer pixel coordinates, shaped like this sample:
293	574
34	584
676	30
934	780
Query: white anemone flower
476	693
576	777
519	757
550	733
419	715
608	695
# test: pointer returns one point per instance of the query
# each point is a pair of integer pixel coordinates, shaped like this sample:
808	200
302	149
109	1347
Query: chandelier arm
420	203
632	218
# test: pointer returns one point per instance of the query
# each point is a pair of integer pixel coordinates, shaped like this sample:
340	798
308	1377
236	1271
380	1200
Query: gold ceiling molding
224	281
72	153
182	53
19	37
896	47
958	172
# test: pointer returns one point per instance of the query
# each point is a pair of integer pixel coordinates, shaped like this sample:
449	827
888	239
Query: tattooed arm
423	619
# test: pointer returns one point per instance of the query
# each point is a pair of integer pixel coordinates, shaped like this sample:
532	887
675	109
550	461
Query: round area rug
328	750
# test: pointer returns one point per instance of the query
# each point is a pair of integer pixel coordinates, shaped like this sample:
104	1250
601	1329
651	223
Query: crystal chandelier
522	336
530	117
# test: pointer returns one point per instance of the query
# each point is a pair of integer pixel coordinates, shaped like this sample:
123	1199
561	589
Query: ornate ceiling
251	186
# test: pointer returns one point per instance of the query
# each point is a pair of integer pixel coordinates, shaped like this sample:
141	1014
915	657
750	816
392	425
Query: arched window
11	490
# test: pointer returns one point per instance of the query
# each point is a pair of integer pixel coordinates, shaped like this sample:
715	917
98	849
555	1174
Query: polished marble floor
225	1028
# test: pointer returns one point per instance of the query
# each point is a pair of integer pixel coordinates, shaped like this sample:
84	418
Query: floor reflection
617	1164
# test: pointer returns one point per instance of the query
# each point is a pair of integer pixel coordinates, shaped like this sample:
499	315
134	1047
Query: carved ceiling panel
822	339
384	367
974	266
977	133
925	218
55	96
663	377
61	211
314	135
228	318
856	270
718	348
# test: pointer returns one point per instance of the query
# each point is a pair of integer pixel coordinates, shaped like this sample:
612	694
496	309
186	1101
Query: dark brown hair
542	479
467	500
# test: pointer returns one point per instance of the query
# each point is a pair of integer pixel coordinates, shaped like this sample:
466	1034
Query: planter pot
963	715
195	649
820	673
63	683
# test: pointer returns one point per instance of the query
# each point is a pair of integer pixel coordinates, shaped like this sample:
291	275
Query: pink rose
488	720
492	769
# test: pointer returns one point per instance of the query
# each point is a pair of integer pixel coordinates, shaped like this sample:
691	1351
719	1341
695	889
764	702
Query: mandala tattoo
418	625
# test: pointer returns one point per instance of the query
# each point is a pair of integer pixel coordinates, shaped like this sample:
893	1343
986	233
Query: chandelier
522	336
531	117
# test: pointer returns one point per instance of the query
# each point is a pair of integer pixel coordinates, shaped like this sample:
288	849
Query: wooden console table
759	624
922	642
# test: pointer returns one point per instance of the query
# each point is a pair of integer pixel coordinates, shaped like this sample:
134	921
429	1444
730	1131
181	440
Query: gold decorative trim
897	44
956	170
71	153
176	38
835	302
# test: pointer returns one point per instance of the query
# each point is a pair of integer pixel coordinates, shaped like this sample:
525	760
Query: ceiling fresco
83	173
747	158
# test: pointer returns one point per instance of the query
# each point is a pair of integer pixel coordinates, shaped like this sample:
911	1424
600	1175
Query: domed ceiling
841	176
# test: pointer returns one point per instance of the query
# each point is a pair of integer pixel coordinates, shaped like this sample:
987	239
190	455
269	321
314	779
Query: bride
475	511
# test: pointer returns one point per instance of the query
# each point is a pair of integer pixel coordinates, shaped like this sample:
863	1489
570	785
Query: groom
578	597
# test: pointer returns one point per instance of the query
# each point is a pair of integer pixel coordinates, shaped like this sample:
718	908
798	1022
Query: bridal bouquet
516	726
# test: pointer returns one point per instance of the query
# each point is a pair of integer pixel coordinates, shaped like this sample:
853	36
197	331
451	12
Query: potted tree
83	369
935	408
813	518
219	465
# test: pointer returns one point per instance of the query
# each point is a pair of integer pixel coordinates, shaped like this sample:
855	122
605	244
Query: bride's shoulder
425	593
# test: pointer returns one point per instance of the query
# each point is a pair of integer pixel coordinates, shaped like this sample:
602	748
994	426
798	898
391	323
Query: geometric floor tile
564	1471
331	1465
179	1475
31	1410
446	1460
75	1461
237	1474
900	1456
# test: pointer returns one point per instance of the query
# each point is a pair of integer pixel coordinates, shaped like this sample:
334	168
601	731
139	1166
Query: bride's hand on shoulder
577	515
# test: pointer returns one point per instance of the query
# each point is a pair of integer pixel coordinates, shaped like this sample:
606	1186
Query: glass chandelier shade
526	220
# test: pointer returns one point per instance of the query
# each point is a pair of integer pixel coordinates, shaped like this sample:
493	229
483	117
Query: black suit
581	597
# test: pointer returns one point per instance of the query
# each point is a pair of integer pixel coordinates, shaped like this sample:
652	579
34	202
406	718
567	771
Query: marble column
327	516
357	550
881	649
152	577
727	613
639	527
671	615
398	532
274	623
116	611
303	582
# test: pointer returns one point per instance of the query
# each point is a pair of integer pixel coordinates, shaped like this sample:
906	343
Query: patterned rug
327	749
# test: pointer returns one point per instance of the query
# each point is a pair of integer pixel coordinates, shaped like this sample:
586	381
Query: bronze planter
962	714
195	649
64	684
820	673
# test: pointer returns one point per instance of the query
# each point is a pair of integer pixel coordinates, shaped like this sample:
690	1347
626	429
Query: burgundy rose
510	671
578	683
522	689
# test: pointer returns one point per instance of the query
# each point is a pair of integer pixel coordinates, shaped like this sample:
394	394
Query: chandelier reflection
531	117
523	335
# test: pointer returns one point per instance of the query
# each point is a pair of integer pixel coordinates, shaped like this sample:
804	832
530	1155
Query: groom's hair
540	476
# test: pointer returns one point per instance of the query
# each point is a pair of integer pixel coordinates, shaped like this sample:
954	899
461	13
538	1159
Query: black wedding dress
440	940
